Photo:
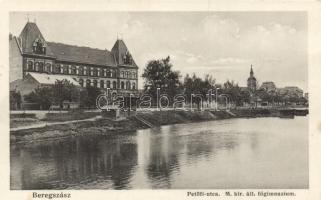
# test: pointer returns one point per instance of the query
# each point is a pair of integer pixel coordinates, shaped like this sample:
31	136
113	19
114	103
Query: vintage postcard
208	100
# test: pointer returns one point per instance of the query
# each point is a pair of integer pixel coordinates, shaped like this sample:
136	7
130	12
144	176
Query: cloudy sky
223	44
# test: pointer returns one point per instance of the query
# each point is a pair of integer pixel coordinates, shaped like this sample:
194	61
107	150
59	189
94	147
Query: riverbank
141	120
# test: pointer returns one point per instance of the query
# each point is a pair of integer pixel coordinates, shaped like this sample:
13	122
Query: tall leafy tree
64	91
159	74
233	91
194	85
88	96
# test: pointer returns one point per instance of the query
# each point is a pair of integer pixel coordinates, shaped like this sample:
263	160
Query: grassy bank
72	115
158	118
25	119
132	123
100	126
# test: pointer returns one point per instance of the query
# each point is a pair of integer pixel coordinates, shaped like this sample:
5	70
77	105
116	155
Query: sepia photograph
158	100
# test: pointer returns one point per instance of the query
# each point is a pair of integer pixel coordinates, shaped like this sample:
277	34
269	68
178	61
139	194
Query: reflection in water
236	153
76	162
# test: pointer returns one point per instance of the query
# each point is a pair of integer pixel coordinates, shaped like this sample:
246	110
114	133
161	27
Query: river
233	153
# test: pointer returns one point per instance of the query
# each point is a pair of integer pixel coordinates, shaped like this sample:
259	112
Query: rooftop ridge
73	45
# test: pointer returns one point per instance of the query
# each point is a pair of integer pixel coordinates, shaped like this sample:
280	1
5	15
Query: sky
222	44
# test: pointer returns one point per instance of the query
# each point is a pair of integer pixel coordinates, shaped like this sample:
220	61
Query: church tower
251	82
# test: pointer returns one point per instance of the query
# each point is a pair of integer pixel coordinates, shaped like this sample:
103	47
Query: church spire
251	73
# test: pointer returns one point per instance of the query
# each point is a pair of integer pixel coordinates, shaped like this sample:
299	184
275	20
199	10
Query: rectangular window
85	70
91	71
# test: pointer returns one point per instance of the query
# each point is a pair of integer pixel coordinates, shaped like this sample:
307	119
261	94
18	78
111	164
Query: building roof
251	78
119	50
50	79
71	53
268	84
28	35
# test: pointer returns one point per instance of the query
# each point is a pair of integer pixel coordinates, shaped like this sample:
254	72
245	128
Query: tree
15	100
197	86
159	74
88	96
58	93
264	95
42	96
233	91
64	91
245	97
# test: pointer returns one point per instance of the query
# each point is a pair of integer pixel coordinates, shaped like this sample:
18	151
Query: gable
28	35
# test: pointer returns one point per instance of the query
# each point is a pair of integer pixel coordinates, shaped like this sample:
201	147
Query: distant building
252	82
268	86
33	80
31	54
290	91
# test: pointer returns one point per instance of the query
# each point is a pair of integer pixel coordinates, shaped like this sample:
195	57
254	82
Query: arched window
122	74
58	69
122	85
95	71
134	86
39	46
41	67
81	70
108	84
85	71
114	85
127	85
30	65
108	73
36	66
91	71
65	68
95	83
73	69
81	82
102	85
48	67
87	83
129	75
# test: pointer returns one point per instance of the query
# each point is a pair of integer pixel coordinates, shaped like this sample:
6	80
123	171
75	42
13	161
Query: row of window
128	74
108	84
39	67
73	70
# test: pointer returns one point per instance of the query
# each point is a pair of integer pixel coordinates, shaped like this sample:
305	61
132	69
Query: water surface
233	153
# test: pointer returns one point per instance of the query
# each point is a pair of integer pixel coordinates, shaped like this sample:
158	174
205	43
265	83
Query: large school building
31	54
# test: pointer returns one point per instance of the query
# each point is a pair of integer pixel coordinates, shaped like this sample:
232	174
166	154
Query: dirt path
44	124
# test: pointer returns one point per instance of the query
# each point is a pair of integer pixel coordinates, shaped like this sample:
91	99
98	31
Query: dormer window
128	60
39	46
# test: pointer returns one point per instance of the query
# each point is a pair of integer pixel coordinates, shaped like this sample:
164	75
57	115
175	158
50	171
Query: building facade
268	86
291	91
115	69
